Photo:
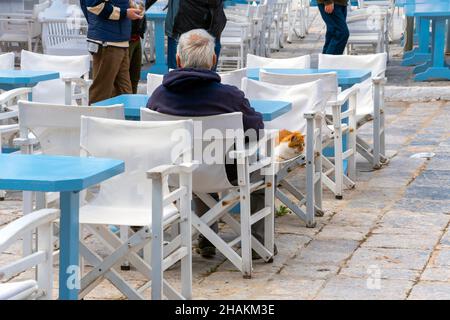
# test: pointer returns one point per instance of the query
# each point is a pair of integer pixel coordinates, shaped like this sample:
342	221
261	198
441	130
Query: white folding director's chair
370	101
7	61
218	135
334	130
74	80
41	259
306	116
153	82
233	78
301	62
150	150
57	130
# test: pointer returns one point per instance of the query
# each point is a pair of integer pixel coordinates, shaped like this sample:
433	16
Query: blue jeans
172	52
337	31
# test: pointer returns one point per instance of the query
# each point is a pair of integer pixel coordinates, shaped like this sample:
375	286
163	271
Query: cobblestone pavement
388	238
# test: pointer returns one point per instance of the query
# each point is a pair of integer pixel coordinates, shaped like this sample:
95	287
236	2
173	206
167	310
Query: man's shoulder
232	91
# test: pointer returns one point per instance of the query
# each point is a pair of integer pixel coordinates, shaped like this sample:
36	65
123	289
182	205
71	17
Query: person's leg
172	53
217	49
341	33
122	85
135	64
205	248
104	73
329	25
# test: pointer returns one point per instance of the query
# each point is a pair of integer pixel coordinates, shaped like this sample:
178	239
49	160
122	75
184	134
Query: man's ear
178	61
214	61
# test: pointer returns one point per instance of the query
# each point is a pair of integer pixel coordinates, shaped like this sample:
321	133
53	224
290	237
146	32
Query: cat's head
295	140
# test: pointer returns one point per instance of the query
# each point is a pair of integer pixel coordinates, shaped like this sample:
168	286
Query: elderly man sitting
195	90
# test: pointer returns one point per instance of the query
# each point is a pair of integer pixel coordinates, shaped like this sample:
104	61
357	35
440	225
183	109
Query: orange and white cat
289	144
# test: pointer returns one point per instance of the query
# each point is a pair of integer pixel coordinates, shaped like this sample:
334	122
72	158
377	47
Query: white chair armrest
344	96
165	170
11	94
78	81
27	223
25	142
379	80
313	115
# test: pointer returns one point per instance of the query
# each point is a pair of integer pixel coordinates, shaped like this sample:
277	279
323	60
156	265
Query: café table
421	53
134	102
157	14
68	176
12	79
438	13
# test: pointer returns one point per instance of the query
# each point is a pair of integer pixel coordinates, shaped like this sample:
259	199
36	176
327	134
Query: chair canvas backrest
376	63
53	91
329	89
142	146
233	78
209	176
153	82
57	127
304	97
302	62
7	61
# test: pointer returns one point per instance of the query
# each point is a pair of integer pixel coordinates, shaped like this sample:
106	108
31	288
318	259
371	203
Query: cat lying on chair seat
289	144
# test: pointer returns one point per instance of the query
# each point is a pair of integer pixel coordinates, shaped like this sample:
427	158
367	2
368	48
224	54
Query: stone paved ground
388	238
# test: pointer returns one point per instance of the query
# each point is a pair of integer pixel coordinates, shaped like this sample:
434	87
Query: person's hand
329	8
134	14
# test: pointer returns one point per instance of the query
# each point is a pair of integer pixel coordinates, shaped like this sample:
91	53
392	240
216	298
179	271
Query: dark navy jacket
101	28
197	93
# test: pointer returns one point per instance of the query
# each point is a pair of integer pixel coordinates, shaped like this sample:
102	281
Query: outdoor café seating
101	200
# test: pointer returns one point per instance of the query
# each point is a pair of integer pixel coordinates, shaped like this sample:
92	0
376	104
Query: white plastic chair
64	36
335	128
302	62
368	26
306	116
298	14
153	81
235	43
233	78
22	27
219	134
74	77
150	151
7	61
370	100
42	258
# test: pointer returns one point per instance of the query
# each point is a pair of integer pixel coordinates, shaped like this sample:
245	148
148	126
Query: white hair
196	49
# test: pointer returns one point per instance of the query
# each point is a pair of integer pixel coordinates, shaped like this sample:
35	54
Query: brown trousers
110	73
135	51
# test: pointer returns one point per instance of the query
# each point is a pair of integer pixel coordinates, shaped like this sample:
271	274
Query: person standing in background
334	14
138	28
185	15
109	30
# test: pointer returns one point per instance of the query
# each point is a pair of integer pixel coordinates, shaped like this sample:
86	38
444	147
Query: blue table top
345	77
26	76
54	173
156	11
431	8
134	102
